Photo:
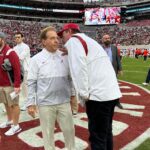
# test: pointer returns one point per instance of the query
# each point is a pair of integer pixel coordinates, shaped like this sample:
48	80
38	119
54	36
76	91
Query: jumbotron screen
99	16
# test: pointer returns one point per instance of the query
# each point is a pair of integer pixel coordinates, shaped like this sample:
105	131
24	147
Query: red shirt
145	53
14	60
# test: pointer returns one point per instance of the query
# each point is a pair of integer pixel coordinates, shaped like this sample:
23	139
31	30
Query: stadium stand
114	1
30	16
132	33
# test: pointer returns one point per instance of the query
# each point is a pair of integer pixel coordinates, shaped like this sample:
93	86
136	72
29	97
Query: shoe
23	108
4	110
13	130
145	83
74	113
119	105
5	124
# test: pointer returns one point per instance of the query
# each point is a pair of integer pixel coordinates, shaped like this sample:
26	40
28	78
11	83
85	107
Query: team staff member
23	51
95	81
112	52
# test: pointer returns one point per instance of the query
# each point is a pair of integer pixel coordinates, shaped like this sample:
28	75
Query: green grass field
135	71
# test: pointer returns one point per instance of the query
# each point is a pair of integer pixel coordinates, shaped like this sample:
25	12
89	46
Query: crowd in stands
30	30
132	33
114	1
64	1
132	1
138	23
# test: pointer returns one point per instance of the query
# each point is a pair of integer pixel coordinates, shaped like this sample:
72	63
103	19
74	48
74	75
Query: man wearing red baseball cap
95	82
68	26
74	100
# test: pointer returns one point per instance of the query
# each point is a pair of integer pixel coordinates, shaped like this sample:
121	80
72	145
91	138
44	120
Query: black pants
136	56
100	116
145	58
148	77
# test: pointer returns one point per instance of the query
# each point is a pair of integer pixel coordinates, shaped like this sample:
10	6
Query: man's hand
32	110
17	90
72	97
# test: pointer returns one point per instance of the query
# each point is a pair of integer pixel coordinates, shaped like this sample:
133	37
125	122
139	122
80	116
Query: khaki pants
24	86
5	96
48	116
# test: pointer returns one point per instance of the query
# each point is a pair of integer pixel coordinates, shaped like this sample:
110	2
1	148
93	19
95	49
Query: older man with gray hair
49	79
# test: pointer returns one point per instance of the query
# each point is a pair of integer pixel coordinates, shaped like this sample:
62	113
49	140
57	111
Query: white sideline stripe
132	106
137	66
131	93
129	112
125	87
134	71
139	140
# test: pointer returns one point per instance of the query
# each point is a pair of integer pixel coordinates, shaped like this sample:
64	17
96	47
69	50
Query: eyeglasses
17	37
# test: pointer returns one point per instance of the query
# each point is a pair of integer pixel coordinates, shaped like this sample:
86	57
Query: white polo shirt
23	52
48	79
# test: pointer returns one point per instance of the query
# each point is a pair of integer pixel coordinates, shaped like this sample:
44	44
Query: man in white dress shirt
95	81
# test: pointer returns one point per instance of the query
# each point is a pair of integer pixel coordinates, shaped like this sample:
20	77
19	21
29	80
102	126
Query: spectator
48	79
23	52
11	106
95	82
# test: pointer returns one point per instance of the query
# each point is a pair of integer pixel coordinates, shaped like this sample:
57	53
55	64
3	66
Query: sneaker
5	124
13	130
74	113
4	110
145	83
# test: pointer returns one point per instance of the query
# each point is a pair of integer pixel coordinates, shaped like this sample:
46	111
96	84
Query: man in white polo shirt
23	51
48	79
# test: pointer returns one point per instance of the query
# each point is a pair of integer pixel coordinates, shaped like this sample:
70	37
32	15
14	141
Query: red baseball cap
68	26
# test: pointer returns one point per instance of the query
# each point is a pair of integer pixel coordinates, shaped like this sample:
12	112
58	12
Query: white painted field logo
130	126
